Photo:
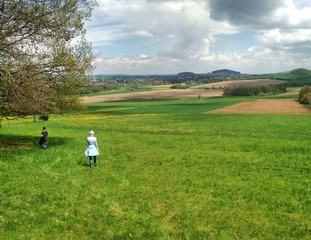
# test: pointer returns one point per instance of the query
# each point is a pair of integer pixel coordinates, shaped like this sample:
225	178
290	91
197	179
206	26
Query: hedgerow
179	86
98	88
248	90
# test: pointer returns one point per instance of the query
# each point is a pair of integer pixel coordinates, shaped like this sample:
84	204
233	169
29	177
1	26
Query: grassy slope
123	89
292	78
166	171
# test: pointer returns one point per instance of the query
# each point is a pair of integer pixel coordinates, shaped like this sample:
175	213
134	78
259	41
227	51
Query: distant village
183	77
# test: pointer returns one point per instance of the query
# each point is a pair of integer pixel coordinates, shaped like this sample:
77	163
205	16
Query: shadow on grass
84	163
108	110
9	142
146	107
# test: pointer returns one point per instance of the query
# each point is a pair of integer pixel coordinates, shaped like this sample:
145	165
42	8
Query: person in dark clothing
43	138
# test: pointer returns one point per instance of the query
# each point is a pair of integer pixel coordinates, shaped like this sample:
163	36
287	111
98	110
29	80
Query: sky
200	36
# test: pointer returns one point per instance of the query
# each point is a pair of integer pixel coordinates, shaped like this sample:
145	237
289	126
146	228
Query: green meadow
166	170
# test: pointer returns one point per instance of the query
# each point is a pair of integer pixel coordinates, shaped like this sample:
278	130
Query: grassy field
166	171
294	79
123	89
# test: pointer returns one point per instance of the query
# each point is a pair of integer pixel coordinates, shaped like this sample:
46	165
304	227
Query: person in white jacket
91	148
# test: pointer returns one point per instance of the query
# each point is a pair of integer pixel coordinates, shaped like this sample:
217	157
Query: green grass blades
165	171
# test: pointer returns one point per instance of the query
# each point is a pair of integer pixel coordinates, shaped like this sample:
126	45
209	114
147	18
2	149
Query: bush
179	86
306	99
44	117
303	91
304	96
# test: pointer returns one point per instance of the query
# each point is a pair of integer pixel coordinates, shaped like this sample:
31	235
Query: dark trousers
43	142
94	158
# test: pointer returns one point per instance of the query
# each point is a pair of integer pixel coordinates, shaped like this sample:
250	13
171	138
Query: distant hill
301	71
186	74
225	72
295	78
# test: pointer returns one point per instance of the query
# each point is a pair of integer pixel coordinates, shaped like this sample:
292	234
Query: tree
41	69
304	96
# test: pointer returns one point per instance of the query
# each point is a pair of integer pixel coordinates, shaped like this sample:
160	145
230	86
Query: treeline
249	90
180	86
98	88
304	96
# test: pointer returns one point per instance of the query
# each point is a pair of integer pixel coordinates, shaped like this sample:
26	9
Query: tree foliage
304	96
44	56
179	86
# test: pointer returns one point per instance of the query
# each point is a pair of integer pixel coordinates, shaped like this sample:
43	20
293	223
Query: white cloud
185	23
143	57
294	16
263	14
179	35
278	37
296	43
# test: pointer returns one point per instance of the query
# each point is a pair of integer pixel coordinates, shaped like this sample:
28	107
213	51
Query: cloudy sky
172	36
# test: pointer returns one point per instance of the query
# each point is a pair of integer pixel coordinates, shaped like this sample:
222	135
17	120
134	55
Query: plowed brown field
194	92
275	106
156	94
